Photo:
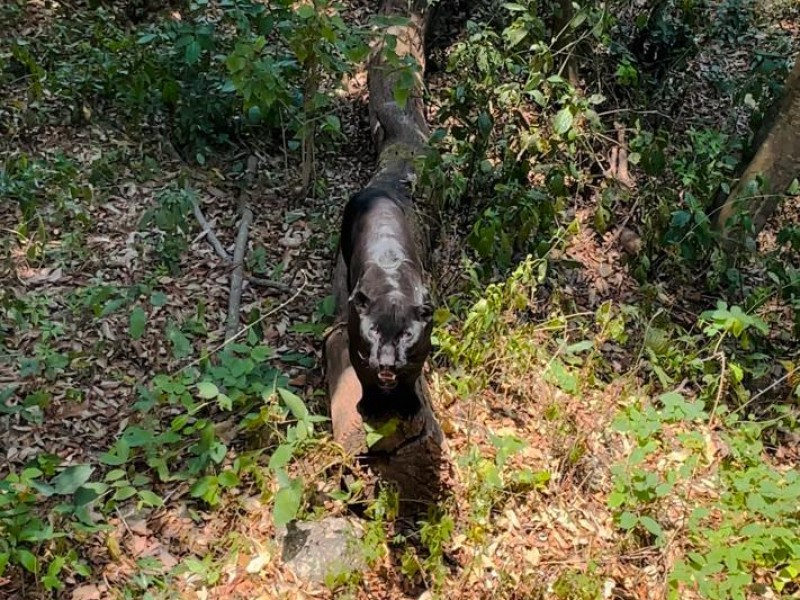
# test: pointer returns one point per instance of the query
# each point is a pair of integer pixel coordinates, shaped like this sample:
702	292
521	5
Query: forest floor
76	355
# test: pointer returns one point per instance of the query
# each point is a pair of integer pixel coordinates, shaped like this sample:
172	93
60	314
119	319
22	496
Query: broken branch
237	276
208	232
268	283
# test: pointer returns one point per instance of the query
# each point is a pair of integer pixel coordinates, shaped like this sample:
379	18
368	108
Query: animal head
390	337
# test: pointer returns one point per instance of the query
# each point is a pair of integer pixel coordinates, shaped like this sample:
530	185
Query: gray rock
315	550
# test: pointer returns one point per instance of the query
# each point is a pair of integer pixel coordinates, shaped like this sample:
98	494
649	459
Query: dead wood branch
237	276
268	283
208	232
248	327
618	168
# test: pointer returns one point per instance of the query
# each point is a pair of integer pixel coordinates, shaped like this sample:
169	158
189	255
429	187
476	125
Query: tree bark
400	132
775	159
410	452
564	13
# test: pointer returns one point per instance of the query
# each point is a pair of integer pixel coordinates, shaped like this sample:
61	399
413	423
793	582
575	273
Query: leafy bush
174	438
167	221
198	71
704	166
23	530
266	60
517	171
45	190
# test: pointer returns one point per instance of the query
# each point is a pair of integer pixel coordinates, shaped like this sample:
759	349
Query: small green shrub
519	129
753	523
49	193
578	584
169	220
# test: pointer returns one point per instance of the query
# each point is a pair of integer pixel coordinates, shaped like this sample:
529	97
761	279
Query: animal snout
386	359
386	367
387	377
386	371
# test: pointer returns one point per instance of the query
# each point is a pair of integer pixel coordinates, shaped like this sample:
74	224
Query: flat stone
314	550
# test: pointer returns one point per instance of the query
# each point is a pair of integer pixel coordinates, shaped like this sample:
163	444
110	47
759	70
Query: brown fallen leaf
166	558
87	592
140	546
138	526
631	243
34	276
299	380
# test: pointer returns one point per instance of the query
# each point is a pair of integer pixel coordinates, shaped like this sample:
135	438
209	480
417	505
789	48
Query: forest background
616	365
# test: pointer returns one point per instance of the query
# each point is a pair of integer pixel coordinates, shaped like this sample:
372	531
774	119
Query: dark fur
389	309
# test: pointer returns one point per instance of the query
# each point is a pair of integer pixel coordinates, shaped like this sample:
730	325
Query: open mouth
387	378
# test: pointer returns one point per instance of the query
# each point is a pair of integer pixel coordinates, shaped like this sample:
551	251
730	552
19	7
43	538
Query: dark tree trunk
564	13
775	159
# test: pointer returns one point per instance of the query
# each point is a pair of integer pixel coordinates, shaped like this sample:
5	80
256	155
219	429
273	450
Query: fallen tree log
409	451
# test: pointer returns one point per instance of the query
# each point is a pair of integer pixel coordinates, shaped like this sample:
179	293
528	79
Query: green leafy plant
576	584
488	318
750	524
754	524
24	531
49	194
314	41
704	166
518	129
169	218
490	481
288	499
734	321
639	489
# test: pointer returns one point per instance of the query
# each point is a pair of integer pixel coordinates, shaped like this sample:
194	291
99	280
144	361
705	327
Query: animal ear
360	301
425	311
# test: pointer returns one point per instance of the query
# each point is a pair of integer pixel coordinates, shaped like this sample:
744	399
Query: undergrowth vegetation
622	423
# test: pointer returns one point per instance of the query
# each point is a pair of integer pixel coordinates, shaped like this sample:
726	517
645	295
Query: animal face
392	338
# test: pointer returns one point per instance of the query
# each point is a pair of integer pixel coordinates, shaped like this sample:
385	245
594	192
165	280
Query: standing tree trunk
775	163
565	41
410	451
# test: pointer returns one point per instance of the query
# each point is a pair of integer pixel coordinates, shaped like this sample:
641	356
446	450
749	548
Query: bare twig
771	386
237	277
720	391
619	159
208	232
268	283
